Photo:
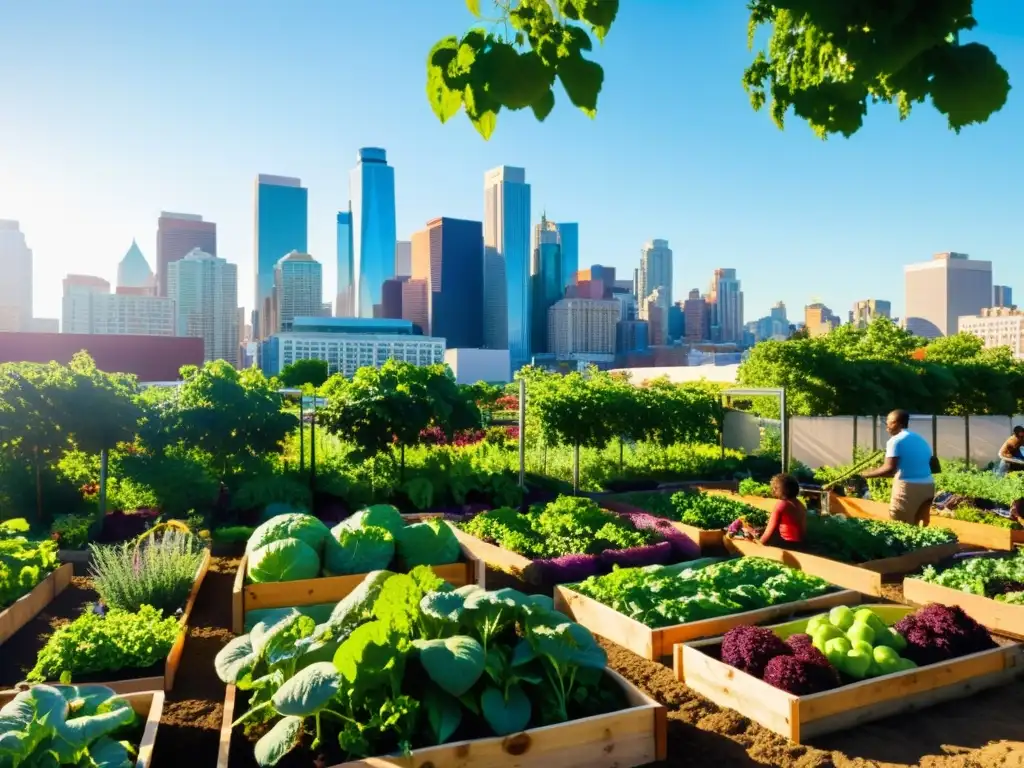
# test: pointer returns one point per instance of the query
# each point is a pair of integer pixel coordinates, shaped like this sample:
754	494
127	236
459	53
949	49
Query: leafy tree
304	372
825	61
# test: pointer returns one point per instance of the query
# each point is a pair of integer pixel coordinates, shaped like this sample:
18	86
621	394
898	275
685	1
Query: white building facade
298	289
582	326
204	289
346	353
997	327
16	280
940	291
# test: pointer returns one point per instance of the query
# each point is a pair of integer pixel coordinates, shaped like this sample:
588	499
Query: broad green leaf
582	80
51	708
235	660
278	741
371	656
543	105
444	606
454	663
523	653
474	7
85	699
485	123
78	733
505	716
398	604
308	691
18	712
443	713
263	634
107	753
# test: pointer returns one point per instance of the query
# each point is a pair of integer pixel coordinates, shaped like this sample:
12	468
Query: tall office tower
569	243
298	290
205	293
507	295
391	298
448	256
676	322
176	235
726	307
582	326
819	320
372	196
547	281
636	283
414	304
403	258
282	221
16	284
345	299
605	274
865	311
1002	296
133	270
939	291
696	318
655	271
654	309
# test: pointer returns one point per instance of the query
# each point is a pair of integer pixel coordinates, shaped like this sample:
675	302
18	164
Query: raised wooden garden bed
655	644
327	589
148	705
801	718
865	578
705	539
630	737
1002	618
975	534
25	608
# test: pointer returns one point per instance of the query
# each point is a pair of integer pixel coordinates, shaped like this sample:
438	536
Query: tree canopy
824	61
303	373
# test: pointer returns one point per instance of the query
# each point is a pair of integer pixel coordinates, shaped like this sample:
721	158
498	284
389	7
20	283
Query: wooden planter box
1002	618
327	589
148	705
975	534
865	578
630	737
25	608
800	718
705	539
655	644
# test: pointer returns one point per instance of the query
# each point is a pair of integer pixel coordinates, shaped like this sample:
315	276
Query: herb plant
159	571
57	725
856	540
407	661
106	641
751	487
706	511
660	596
975	515
23	563
72	531
996	577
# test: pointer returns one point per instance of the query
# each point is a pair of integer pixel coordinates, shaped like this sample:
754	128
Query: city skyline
82	195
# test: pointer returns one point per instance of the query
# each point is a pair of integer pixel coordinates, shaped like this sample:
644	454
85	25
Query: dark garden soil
984	731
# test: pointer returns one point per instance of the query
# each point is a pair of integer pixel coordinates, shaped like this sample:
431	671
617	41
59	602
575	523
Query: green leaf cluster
407	661
569	525
829	61
706	511
662	596
985	576
486	70
56	725
106	643
23	562
855	540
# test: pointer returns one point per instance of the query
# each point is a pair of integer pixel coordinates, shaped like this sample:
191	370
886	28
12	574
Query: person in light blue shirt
910	462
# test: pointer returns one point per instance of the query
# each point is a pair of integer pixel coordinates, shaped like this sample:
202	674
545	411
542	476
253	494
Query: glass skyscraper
547	278
449	256
569	240
344	305
507	295
372	196
282	216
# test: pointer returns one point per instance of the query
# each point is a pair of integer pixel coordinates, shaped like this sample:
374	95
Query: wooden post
103	482
853	455
874	433
784	431
935	435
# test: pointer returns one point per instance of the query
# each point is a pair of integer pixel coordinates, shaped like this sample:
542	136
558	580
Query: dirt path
984	731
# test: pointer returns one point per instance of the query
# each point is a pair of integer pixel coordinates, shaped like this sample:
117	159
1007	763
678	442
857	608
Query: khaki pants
911	502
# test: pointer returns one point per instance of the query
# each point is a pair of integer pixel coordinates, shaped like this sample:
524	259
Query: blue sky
113	111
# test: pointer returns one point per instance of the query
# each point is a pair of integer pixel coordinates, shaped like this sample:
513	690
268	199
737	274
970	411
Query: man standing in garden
910	462
1010	458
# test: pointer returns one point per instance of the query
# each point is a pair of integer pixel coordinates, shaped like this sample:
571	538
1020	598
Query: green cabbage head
295	525
288	559
428	543
361	550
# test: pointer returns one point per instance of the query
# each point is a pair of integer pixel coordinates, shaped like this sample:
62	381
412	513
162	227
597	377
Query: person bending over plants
787	525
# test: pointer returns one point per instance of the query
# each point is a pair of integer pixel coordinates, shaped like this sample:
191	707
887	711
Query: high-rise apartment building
345	298
507	295
774	326
726	307
940	291
448	256
16	283
403	258
696	318
1002	296
655	271
996	327
654	309
547	281
282	221
298	289
867	310
205	293
415	304
176	235
88	307
819	320
569	245
133	270
582	327
374	239
391	298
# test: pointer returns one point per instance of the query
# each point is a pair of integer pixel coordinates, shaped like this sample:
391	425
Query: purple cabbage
751	648
683	547
636	557
939	633
799	676
564	569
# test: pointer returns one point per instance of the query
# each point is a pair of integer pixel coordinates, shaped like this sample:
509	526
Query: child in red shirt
788	521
